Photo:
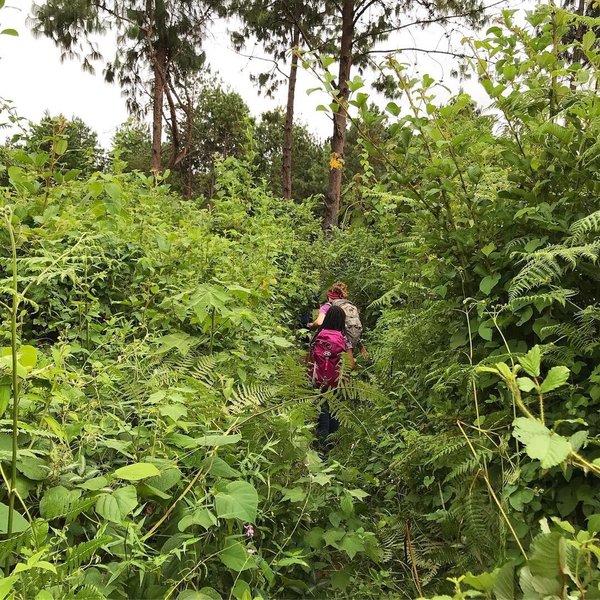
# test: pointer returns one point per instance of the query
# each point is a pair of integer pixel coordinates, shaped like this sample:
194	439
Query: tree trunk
286	168
338	140
160	64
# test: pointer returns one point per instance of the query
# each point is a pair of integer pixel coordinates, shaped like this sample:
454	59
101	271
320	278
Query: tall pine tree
282	27
158	45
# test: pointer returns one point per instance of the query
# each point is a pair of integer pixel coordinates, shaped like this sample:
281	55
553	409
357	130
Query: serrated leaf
540	443
532	361
526	384
556	377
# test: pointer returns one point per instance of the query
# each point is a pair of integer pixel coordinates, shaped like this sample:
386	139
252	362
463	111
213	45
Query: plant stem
212	330
15	384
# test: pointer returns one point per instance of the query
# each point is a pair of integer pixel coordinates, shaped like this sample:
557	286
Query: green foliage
309	174
161	441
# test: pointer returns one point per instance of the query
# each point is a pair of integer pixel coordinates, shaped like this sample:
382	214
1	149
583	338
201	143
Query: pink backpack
326	352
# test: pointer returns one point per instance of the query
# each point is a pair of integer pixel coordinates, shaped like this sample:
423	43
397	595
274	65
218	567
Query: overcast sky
33	77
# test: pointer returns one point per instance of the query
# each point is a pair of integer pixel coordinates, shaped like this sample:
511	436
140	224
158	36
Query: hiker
326	350
337	295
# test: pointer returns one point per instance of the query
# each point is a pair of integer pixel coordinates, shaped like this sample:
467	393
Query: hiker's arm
351	358
317	322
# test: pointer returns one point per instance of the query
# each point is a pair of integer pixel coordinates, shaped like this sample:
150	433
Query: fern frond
554	296
204	370
250	397
394	295
544	266
87	592
77	555
588	224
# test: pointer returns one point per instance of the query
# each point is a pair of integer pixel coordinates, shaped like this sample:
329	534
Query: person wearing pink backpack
325	362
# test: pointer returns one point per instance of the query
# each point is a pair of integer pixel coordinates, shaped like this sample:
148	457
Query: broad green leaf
168	478
504	371
108	508
61	147
393	108
33	467
94	484
351	545
200	516
594	523
588	40
236	556
241	590
296	494
173	411
126	498
487	250
546	559
6	583
332	536
217	467
525	384
58	501
360	494
340	580
238	501
540	443
116	506
532	361
488	283
5	393
19	522
520	498
485	332
483	582
346	505
504	586
291	560
556	377
26	359
137	471
218	440
578	439
206	593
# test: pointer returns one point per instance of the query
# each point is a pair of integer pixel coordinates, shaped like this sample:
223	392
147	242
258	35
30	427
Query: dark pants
326	425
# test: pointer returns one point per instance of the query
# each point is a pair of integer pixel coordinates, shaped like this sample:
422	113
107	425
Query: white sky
32	76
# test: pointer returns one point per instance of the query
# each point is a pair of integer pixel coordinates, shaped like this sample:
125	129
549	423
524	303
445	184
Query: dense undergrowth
165	423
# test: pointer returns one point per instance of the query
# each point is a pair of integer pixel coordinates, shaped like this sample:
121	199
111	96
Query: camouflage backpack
354	327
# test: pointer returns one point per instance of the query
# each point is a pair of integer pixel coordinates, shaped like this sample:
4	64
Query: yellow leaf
336	162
